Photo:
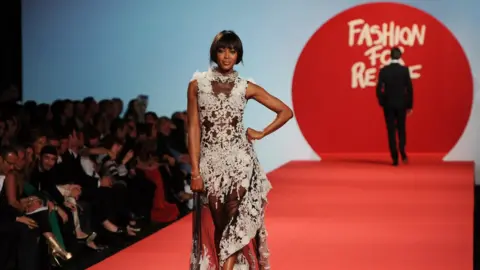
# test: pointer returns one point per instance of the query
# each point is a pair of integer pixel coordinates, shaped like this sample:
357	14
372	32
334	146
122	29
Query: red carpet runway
348	213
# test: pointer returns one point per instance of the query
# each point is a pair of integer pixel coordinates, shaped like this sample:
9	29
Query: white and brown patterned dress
230	219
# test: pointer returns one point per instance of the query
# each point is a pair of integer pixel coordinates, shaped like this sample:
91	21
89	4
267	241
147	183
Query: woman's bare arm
284	113
193	128
11	192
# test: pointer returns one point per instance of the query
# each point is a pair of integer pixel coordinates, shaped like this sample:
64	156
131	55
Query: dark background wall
10	51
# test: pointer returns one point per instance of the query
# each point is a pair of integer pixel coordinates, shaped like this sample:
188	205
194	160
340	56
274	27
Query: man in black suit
395	95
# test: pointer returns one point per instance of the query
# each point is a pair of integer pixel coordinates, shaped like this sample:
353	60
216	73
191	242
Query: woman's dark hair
110	141
131	112
226	40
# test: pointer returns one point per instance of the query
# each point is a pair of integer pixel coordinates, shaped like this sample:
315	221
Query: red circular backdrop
334	82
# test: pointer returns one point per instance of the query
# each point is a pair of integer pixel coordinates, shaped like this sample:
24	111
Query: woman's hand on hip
253	135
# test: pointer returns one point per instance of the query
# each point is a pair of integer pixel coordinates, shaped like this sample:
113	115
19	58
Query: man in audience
46	179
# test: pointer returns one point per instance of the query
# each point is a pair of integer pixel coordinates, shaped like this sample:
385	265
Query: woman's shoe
97	248
58	253
88	238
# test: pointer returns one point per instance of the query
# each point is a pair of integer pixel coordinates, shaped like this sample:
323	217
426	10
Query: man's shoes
404	161
404	158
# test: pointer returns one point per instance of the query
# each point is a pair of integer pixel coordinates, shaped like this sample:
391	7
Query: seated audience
76	172
148	168
20	202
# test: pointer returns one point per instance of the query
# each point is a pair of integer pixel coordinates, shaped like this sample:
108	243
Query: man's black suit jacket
394	88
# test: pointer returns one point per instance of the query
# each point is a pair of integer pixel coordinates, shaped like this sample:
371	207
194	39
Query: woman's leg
222	214
232	204
219	220
79	233
106	213
48	225
76	219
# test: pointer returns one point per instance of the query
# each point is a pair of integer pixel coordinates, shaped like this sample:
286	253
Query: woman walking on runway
230	186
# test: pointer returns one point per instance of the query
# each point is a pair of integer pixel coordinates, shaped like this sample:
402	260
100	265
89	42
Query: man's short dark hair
395	53
18	148
49	150
6	150
226	40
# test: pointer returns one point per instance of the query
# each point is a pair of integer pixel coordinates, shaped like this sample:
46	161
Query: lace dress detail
236	186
